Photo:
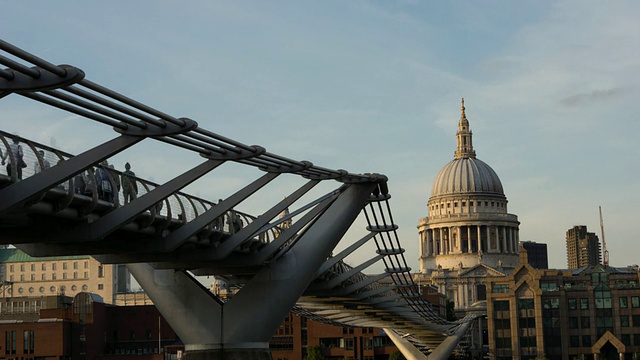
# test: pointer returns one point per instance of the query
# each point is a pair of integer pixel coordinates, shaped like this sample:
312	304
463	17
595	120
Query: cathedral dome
466	175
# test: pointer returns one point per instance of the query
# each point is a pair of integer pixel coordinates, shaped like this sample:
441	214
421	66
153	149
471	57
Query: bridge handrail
188	209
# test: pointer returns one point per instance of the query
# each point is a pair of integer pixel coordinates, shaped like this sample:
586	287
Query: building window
481	292
586	340
348	344
100	271
33	277
33	267
43	267
471	203
574	341
624	321
54	276
41	289
626	339
636	322
602	297
552	303
11	342
584	304
585	322
22	277
64	266
573	322
11	278
11	268
86	264
548	286
75	274
74	288
500	288
21	267
43	277
53	266
100	286
635	301
624	302
86	274
25	342
64	276
573	304
52	289
75	265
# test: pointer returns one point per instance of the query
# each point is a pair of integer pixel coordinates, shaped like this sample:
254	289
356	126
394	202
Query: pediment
480	270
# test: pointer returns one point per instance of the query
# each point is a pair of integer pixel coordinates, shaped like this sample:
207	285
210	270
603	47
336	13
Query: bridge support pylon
241	328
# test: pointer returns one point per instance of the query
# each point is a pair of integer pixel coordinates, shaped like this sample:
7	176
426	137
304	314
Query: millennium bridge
281	259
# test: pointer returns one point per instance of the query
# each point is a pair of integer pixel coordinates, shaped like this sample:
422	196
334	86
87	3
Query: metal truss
44	215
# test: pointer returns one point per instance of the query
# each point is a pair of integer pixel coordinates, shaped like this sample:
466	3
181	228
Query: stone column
488	236
429	241
504	234
469	239
440	242
423	237
479	241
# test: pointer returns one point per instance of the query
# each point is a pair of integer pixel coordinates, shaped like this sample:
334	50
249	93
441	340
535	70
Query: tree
396	355
314	353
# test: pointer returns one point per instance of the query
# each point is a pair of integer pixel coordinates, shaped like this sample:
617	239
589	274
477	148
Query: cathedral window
464	204
471	203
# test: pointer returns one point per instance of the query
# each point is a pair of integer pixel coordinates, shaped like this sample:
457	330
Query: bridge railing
180	207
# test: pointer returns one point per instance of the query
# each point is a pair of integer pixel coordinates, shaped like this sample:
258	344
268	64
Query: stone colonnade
469	239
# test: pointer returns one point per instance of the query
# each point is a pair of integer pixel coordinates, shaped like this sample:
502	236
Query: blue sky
373	86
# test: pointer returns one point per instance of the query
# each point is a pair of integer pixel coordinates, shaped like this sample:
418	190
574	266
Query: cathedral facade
468	233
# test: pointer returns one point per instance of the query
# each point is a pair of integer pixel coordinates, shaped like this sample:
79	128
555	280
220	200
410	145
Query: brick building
82	327
297	334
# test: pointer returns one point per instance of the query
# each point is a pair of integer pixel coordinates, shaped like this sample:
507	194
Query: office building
23	275
590	313
583	248
536	254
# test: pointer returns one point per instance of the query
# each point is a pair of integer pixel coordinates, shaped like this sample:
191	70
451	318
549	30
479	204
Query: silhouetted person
45	163
16	150
129	184
105	182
